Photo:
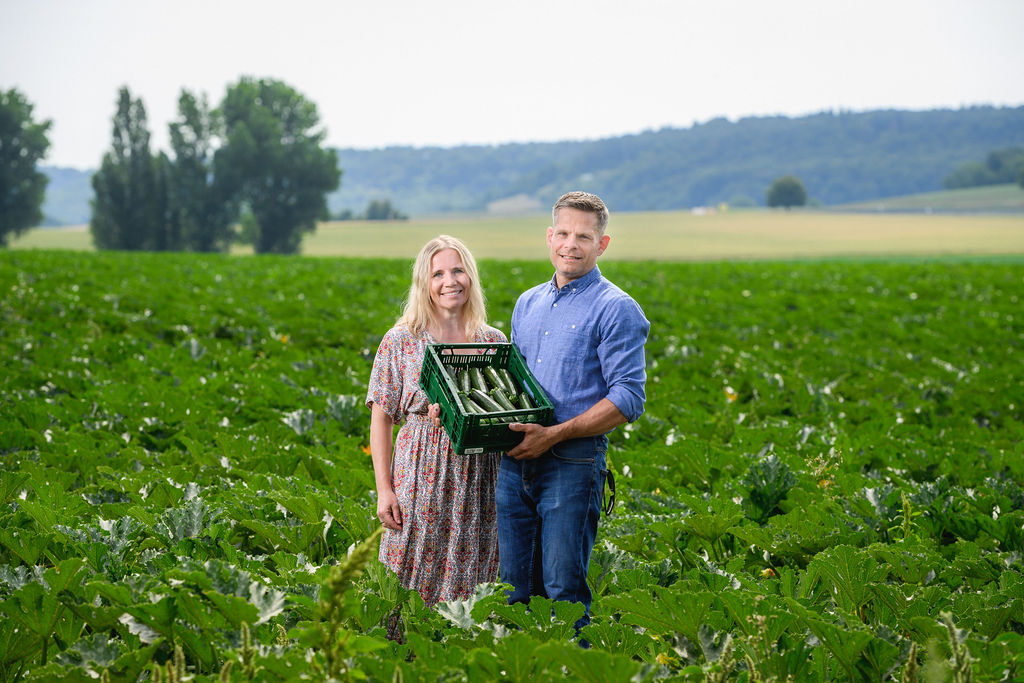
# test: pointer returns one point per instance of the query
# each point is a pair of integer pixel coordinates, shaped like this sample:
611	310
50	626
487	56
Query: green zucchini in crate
471	384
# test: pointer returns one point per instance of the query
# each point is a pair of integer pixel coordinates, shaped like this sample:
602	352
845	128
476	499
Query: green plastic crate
472	433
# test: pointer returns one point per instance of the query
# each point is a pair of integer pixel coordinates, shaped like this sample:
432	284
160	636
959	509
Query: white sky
449	72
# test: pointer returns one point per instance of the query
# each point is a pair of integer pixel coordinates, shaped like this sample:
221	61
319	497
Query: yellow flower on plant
666	659
284	338
730	394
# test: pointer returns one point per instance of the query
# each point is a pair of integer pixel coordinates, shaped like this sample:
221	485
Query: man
583	339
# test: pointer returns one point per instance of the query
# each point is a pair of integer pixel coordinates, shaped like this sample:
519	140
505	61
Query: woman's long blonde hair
419	309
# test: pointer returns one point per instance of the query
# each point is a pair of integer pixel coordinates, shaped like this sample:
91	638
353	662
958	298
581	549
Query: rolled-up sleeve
623	363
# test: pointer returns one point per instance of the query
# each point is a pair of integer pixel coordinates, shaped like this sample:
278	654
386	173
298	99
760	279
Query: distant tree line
1000	166
840	157
258	155
376	210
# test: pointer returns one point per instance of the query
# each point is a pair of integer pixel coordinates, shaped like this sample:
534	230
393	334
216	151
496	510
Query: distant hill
841	158
67	196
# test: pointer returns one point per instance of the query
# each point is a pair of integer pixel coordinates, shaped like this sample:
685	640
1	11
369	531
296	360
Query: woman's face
449	283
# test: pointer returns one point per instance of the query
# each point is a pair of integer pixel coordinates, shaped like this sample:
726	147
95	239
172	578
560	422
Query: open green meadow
827	484
999	198
660	236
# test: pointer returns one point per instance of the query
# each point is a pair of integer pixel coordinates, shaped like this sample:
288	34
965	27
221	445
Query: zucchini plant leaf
851	574
671	611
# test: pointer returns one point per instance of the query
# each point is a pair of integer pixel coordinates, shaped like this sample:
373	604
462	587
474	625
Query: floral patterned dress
448	543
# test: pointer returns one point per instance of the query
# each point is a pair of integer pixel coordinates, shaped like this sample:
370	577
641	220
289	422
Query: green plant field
827	484
662	236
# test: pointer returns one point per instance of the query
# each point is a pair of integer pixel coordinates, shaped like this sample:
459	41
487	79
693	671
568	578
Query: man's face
575	244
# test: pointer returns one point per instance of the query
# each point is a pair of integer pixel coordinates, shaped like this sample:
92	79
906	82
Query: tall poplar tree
201	210
129	208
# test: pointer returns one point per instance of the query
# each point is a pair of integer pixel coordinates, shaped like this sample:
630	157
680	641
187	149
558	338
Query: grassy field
663	236
992	198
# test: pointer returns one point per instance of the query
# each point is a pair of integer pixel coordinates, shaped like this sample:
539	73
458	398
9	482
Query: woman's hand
388	512
434	413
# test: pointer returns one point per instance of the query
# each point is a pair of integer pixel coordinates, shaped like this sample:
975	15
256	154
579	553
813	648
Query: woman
437	507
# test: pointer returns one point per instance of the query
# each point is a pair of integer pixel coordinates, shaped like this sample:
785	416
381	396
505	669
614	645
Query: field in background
665	236
991	198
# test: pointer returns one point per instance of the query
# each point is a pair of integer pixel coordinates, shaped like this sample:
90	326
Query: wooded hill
840	157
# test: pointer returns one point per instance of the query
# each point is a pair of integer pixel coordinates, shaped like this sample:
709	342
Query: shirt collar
579	283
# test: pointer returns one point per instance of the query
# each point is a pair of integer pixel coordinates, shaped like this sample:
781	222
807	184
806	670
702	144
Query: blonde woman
437	507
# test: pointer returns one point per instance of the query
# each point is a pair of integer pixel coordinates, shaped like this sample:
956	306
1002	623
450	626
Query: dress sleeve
385	388
492	335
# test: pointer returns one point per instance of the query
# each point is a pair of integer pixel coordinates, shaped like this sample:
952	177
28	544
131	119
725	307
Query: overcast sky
450	72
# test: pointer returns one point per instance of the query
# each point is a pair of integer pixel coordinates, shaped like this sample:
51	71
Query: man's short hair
582	201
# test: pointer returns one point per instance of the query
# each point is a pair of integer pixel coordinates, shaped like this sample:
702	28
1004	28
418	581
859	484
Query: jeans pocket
578	451
574	459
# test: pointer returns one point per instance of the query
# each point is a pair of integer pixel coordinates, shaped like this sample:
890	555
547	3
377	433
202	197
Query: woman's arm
381	444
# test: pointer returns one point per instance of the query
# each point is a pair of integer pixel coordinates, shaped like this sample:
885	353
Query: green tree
787	191
23	143
968	174
272	161
129	209
382	210
201	212
1001	166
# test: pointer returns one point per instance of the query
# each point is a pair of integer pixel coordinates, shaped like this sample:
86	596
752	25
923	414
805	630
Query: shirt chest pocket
574	341
578	328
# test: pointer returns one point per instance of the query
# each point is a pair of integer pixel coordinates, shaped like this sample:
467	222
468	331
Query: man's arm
600	418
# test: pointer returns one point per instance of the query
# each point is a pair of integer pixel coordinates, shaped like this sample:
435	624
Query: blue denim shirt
584	342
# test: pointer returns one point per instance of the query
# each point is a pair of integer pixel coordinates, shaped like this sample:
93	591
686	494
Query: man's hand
600	418
537	440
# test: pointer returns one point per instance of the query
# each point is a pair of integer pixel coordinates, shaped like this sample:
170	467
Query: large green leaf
851	574
607	634
668	613
846	642
17	643
25	544
516	657
12	484
594	665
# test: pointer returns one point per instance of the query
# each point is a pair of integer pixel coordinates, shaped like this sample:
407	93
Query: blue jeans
548	510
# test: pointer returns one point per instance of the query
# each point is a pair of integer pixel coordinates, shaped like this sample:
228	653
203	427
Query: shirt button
538	360
554	305
545	333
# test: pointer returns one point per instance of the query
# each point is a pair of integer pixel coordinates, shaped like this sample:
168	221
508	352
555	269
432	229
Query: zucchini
524	401
464	381
499	396
471	406
486	402
494	378
478	379
452	373
510	382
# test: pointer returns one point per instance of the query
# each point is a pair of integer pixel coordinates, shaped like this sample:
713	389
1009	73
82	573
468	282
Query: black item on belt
609	504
